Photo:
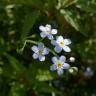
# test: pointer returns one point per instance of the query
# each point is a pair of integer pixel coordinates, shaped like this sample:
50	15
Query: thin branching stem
34	42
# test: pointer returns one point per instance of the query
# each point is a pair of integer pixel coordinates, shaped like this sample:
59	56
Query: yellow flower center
48	32
59	65
40	52
61	43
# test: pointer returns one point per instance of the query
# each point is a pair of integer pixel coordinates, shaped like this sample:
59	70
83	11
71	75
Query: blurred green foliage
20	74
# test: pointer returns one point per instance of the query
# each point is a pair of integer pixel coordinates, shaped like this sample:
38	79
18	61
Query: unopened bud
72	59
73	70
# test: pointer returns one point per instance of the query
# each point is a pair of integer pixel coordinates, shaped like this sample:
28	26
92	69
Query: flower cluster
60	44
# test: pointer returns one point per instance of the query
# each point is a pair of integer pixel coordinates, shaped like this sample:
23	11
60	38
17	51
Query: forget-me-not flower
88	72
59	64
61	43
39	52
47	31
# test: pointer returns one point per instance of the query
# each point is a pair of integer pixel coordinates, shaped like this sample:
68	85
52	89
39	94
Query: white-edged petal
48	27
54	60
66	66
62	58
53	67
45	51
34	48
42	28
53	42
59	38
43	35
67	41
42	58
60	71
66	49
58	49
54	31
35	56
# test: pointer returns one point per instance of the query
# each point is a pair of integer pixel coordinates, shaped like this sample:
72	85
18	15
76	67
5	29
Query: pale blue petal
54	31
62	58
50	37
53	67
34	48
66	66
53	42
60	71
58	49
43	35
48	27
66	49
45	51
35	56
59	38
67	41
88	74
42	58
41	46
42	28
88	69
54	60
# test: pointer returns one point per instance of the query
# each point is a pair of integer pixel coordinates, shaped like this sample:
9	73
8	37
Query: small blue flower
88	72
61	43
39	52
47	31
59	64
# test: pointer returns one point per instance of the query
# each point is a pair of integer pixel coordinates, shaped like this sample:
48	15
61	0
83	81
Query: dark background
20	74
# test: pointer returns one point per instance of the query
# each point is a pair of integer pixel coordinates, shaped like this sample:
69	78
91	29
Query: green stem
41	40
31	41
34	42
52	51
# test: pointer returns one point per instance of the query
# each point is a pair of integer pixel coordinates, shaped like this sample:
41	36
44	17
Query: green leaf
17	89
46	88
86	6
15	64
28	24
67	3
26	2
70	17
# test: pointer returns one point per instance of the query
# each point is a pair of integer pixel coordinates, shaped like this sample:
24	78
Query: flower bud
72	59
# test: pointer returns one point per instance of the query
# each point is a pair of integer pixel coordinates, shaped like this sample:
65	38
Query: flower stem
34	42
31	41
52	51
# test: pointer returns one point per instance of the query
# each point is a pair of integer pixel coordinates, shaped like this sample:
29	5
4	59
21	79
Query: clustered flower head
60	43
